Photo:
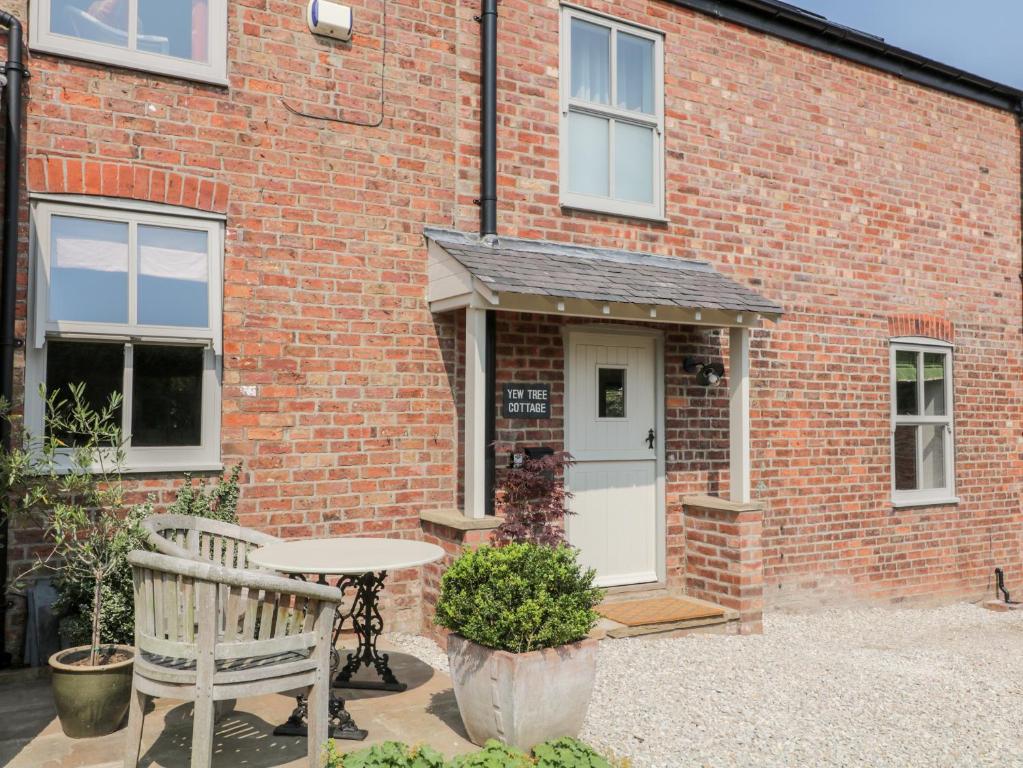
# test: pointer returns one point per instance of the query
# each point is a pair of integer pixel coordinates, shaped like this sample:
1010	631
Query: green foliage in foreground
219	502
567	753
558	753
390	754
519	597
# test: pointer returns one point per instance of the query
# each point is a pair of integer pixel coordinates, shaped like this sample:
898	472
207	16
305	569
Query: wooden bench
206	633
203	539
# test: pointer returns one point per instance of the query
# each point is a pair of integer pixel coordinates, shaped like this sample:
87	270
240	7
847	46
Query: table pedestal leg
342	726
367	624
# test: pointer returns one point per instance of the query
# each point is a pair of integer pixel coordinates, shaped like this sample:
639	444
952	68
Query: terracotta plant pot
522	699
91	701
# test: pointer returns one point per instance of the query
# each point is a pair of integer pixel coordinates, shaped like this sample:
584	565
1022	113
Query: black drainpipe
13	70
488	224
488	119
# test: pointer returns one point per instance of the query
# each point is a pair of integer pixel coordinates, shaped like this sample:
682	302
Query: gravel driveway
866	687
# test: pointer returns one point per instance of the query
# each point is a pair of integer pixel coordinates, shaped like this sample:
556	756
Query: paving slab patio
30	735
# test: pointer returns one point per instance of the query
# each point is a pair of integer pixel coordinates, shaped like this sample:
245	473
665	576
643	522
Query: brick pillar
724	556
451	531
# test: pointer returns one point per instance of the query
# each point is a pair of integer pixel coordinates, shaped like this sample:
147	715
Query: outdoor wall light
707	374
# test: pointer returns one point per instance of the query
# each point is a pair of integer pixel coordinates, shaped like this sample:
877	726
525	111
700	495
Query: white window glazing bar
133	25
128	391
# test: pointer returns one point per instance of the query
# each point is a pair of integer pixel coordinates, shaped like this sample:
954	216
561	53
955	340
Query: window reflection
611	393
178	28
88	270
99	366
167	396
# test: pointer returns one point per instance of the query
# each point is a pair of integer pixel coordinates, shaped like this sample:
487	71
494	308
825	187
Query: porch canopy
538	276
520	275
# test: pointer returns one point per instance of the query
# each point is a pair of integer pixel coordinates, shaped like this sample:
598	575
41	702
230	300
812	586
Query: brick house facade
868	206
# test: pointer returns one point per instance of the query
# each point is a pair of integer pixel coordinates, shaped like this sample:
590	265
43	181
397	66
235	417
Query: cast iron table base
342	726
367	625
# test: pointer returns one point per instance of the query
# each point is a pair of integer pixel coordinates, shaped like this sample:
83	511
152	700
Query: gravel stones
865	687
422	648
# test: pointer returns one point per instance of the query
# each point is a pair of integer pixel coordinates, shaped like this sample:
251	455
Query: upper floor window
128	299
612	116
182	38
923	455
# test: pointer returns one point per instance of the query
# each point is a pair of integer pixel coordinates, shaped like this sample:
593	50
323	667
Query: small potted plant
69	481
521	663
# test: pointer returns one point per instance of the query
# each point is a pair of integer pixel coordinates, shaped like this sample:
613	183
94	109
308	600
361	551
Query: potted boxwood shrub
69	481
521	663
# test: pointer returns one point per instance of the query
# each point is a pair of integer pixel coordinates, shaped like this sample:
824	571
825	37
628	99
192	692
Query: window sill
939	502
159	69
618	214
153	469
198	466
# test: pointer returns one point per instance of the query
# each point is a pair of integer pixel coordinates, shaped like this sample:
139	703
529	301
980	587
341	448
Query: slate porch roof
538	267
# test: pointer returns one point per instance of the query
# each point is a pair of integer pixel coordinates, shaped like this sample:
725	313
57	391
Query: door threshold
631	589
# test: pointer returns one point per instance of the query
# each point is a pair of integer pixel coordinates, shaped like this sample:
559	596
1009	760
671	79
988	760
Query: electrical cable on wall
383	77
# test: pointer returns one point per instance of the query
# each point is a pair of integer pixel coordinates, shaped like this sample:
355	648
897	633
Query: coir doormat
658	610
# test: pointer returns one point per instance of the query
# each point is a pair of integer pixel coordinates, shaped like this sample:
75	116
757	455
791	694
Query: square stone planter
522	699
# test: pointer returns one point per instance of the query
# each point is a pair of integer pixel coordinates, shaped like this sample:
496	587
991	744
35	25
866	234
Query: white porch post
738	416
475	411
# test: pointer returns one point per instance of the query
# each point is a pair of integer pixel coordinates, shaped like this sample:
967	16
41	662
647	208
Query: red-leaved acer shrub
532	499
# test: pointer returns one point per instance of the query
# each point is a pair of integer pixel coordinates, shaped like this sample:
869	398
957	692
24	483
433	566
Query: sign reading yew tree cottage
526	401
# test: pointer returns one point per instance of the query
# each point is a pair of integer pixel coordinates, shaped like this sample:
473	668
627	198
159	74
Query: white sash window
128	298
181	38
922	444
612	116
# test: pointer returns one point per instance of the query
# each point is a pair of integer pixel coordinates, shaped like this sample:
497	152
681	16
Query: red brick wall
336	397
845	194
852	198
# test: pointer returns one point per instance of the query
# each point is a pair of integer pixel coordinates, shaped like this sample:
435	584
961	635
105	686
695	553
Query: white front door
612	432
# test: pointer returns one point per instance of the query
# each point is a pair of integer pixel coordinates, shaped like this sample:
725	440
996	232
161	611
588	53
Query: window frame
567	104
205	456
41	39
931	496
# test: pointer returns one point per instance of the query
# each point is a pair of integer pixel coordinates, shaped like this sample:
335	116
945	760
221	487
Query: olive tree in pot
68	481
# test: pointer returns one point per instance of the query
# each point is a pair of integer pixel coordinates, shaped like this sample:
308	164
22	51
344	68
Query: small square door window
611	393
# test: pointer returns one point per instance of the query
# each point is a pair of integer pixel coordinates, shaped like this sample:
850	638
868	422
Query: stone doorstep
639	592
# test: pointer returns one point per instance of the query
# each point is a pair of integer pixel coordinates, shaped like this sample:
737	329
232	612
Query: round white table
345	555
362	564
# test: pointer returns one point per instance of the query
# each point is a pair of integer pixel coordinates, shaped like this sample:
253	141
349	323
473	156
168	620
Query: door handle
650	437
